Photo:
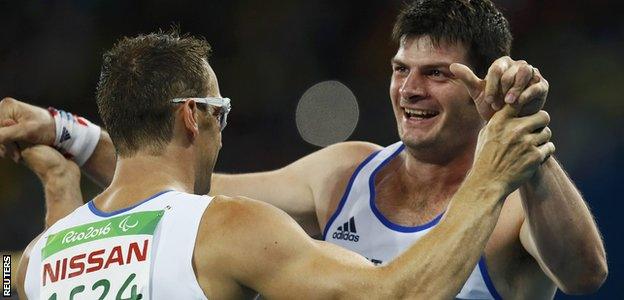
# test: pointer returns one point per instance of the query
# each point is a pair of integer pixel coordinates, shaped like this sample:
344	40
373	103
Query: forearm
562	231
438	265
100	167
62	194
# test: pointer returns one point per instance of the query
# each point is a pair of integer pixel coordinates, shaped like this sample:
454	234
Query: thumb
473	84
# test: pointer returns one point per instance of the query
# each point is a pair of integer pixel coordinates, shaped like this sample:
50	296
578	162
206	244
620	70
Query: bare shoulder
239	215
352	151
341	153
231	225
238	237
336	159
329	170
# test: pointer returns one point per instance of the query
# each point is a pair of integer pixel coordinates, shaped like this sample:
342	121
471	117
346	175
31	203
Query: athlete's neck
435	180
143	175
449	172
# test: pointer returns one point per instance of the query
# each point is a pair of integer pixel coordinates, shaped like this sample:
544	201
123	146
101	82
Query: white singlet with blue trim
359	226
141	252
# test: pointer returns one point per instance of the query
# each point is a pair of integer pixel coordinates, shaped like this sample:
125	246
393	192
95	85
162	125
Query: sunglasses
222	103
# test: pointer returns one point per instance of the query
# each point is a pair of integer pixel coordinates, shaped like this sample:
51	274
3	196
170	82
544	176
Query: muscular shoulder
349	153
334	159
236	230
240	216
333	167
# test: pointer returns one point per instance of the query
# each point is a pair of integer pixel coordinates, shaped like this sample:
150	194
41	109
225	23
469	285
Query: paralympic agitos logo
347	232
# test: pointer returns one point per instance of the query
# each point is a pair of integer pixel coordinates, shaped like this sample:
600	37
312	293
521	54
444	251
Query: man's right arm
258	246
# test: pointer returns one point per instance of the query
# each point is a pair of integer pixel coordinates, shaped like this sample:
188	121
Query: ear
189	117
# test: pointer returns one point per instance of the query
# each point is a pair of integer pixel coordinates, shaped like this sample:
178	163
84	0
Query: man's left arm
559	231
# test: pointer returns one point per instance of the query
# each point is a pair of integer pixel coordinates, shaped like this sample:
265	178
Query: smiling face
433	109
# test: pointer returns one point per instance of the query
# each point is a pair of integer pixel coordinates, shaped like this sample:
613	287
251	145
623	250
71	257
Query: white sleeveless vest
359	226
140	252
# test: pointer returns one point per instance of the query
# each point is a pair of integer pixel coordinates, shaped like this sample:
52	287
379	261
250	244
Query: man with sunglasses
150	235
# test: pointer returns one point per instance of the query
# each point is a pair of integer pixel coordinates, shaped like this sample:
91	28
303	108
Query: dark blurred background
268	53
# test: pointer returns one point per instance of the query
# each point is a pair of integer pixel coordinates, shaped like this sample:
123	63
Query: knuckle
7	101
526	70
546	84
507	79
552	147
543	117
495	68
523	65
495	126
546	116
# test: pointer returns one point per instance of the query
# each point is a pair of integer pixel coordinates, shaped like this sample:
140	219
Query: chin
419	143
418	137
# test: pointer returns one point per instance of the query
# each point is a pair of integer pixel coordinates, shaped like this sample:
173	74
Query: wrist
74	136
50	130
60	176
486	187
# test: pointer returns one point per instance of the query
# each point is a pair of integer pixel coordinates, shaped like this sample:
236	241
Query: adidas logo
347	232
64	135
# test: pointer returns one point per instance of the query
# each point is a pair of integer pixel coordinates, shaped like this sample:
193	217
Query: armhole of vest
345	195
487	280
196	286
29	285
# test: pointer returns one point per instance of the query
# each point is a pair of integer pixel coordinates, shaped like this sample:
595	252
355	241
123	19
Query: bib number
109	259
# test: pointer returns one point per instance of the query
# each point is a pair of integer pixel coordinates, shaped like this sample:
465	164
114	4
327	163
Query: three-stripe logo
347	231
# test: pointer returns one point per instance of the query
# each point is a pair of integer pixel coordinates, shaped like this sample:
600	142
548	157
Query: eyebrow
396	61
434	65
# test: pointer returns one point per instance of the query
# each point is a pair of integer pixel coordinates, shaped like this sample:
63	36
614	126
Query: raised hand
507	81
23	123
510	149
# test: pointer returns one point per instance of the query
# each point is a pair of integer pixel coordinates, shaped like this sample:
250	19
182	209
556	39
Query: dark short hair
475	23
140	75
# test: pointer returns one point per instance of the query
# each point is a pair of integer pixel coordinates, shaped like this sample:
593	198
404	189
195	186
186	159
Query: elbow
587	282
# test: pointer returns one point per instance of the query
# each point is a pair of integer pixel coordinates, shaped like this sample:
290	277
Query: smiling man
378	200
154	234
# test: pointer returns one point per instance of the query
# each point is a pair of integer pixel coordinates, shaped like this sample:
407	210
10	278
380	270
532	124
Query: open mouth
419	114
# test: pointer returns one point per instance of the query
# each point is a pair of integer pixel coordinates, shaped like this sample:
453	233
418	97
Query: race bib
108	259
